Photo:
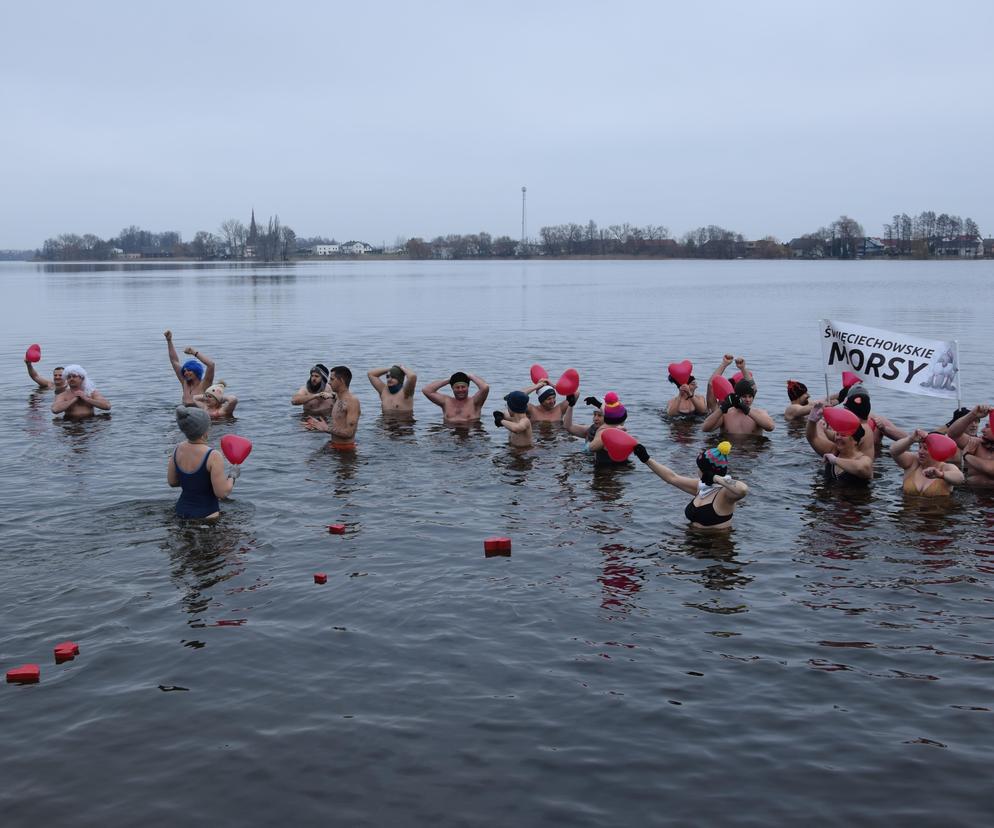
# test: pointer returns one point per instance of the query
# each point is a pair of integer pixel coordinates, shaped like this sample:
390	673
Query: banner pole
959	384
821	326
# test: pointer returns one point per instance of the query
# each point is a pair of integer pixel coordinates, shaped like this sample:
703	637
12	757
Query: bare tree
234	234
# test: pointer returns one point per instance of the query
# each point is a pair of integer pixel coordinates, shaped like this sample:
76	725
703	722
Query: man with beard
396	390
460	407
978	452
314	395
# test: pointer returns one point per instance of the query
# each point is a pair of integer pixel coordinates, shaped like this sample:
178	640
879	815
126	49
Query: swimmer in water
800	401
547	410
687	400
344	415
81	398
875	426
215	402
586	432
742	373
924	475
314	394
197	468
460	407
978	451
57	383
844	461
515	419
395	385
615	415
715	492
736	414
193	376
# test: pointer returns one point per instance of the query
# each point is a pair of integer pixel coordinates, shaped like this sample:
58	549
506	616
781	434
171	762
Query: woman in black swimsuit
844	462
715	493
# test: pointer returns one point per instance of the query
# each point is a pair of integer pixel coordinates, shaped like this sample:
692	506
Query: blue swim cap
517	401
195	367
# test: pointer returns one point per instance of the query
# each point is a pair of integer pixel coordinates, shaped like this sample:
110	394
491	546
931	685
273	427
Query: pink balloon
618	443
568	382
849	379
841	420
721	388
33	354
680	371
940	447
235	448
539	373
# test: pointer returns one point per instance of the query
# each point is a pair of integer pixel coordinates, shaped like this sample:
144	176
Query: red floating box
320	578
336	529
63	654
25	674
497	546
72	646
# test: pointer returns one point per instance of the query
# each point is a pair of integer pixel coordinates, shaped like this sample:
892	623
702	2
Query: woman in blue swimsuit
197	468
715	493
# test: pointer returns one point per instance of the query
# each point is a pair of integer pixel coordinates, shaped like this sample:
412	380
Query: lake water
830	660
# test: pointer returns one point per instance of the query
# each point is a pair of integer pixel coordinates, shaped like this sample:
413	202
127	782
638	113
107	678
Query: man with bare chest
460	407
978	452
314	395
80	399
395	385
344	417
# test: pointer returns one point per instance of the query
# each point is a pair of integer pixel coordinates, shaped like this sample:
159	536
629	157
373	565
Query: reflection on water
620	578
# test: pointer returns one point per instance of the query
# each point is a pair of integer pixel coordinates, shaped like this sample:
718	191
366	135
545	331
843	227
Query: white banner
891	360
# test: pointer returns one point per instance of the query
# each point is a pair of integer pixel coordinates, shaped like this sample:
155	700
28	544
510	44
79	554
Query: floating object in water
497	546
940	447
680	371
618	443
568	382
25	674
539	373
235	448
336	529
721	388
33	354
841	420
66	651
320	578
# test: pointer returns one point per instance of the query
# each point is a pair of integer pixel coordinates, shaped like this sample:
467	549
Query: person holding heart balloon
742	373
687	400
715	492
547	410
926	473
615	415
196	468
735	413
844	461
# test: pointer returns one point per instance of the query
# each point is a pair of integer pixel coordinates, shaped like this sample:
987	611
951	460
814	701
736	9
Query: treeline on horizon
843	238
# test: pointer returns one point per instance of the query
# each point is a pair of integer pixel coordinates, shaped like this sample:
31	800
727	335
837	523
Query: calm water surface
830	660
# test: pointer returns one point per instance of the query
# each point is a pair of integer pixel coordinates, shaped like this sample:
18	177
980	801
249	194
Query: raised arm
528	389
726	360
208	379
431	392
899	449
575	430
482	391
41	381
889	430
958	429
665	473
817	439
374	375
173	356
732	489
410	381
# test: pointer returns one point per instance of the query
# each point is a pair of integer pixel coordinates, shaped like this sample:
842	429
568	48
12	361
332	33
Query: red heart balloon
736	377
33	354
849	379
990	421
235	448
721	387
568	382
940	447
681	371
539	373
618	443
841	420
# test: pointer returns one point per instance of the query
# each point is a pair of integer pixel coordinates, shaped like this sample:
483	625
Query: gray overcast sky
379	120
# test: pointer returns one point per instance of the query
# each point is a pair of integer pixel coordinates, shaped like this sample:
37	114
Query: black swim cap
858	401
458	376
745	387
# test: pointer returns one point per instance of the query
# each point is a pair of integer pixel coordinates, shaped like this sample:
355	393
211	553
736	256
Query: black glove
498	418
731	401
571	399
641	453
596	403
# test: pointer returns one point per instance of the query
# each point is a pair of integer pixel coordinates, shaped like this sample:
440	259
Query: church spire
253	230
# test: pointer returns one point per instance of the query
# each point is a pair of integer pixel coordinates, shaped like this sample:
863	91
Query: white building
327	249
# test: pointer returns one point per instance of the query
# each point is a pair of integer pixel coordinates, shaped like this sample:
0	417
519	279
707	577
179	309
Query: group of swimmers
848	452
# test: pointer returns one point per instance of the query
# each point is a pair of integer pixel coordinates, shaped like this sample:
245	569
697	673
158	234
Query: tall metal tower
524	226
